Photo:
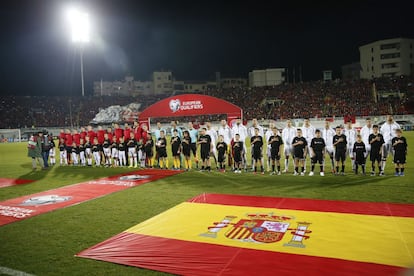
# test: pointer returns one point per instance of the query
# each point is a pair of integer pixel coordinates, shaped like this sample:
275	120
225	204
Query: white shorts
132	152
367	148
107	152
350	152
330	149
308	151
387	149
214	151
114	153
288	150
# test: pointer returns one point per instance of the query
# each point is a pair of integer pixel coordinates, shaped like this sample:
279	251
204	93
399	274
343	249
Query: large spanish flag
215	234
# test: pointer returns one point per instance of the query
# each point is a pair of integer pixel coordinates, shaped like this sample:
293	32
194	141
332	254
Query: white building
163	82
266	77
387	58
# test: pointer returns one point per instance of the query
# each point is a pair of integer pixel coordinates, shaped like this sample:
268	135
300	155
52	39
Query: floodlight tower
80	28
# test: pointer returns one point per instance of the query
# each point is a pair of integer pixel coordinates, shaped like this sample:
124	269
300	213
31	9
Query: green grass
46	244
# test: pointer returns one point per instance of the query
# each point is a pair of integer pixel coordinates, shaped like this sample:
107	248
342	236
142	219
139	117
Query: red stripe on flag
353	207
192	258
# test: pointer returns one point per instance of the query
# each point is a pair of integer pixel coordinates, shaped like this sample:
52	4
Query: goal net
10	135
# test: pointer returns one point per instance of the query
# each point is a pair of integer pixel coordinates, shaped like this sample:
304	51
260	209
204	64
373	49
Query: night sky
193	39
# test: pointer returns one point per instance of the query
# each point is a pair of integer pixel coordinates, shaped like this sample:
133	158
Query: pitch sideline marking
13	272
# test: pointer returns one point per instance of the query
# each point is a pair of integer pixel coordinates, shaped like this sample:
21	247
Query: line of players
110	147
371	141
114	148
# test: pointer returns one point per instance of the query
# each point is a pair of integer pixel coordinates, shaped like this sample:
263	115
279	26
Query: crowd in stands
312	99
288	100
55	111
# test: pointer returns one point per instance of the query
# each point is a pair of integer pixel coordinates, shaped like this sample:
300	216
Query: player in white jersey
214	137
225	131
308	132
269	133
327	134
255	124
288	133
252	131
350	134
240	129
388	132
365	132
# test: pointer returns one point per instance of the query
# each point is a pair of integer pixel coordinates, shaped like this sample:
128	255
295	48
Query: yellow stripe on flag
366	238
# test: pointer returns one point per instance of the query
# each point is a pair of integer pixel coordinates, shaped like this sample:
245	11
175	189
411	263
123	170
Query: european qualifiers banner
24	207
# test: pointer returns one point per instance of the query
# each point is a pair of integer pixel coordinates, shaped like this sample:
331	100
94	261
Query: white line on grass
12	272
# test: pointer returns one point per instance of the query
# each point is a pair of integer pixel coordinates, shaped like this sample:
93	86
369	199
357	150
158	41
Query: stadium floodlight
80	33
80	27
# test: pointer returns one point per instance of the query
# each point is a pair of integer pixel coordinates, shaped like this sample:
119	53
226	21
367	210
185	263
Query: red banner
190	105
24	207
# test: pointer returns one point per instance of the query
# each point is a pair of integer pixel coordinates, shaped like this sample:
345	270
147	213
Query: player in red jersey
91	134
100	134
68	144
76	137
110	133
127	132
83	133
118	132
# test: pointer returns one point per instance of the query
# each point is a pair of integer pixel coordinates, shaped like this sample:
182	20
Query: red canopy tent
190	105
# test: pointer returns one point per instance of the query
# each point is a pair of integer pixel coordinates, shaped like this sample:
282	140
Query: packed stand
288	100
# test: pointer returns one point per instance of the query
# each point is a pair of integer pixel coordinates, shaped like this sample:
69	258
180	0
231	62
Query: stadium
223	200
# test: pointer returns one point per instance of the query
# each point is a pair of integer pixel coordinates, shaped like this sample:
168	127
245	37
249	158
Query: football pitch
46	244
